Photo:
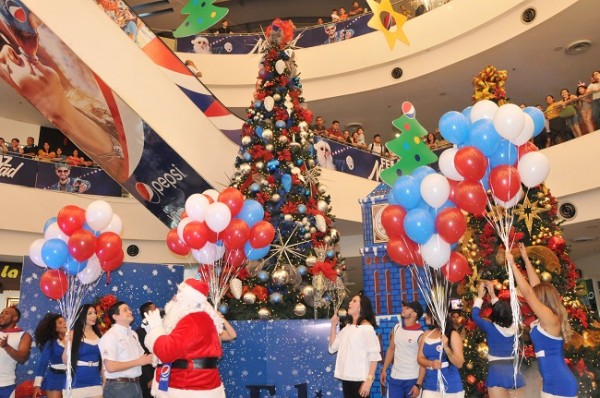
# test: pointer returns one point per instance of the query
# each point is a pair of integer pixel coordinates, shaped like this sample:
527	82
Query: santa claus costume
188	339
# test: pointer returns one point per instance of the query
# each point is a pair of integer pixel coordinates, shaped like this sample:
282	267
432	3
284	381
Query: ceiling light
578	47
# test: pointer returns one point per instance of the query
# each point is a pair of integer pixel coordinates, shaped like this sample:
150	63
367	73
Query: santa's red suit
192	346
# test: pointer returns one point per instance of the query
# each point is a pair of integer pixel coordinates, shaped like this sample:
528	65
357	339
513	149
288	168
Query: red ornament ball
557	244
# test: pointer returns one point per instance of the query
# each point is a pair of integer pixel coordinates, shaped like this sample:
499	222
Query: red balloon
235	258
505	182
526	148
210	199
261	234
113	263
108	246
456	268
70	219
211	235
24	390
470	197
470	163
404	251
392	219
195	234
233	199
453	185
82	244
54	283
236	234
175	244
451	224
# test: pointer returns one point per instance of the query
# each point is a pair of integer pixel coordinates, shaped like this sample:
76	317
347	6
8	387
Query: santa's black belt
198	363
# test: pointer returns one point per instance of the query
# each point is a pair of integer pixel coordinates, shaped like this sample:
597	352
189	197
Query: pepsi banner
58	176
347	159
254	43
17	170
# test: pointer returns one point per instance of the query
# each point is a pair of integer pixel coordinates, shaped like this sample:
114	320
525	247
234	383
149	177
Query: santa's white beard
176	309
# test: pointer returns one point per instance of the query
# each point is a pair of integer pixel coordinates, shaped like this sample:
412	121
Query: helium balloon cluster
78	242
216	224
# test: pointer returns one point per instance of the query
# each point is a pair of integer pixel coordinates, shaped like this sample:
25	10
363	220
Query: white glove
152	320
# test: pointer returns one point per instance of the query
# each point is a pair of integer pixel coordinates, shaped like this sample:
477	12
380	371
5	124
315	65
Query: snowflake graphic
115	289
154	272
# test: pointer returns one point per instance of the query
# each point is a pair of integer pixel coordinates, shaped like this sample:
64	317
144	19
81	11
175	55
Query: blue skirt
54	381
501	374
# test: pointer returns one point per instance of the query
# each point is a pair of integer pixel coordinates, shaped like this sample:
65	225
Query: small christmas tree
276	167
409	147
202	14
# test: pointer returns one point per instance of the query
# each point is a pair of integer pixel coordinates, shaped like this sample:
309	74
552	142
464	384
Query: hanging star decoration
287	250
529	212
383	12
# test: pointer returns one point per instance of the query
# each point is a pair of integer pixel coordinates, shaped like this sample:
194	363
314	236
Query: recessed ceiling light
583	239
578	47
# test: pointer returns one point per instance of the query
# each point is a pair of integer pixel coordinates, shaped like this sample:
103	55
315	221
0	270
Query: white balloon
509	121
91	272
98	214
181	226
35	252
280	66
436	252
220	251
435	190
485	109
533	168
195	206
54	232
218	216
269	103
206	254
213	193
526	132
446	164
512	202
115	225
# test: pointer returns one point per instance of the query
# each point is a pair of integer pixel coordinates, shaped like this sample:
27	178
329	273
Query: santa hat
195	289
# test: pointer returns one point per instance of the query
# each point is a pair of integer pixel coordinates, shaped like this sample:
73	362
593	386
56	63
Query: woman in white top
357	347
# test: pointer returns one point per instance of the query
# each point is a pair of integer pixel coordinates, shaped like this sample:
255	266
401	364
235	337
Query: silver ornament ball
310	261
308	291
269	147
260	165
322	189
283	139
300	309
264	314
322	206
246	140
249	298
280	277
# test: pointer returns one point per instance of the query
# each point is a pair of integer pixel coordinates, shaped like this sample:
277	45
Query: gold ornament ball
498	286
469	365
299	309
310	261
482	350
249	298
546	276
264	313
537	271
594	385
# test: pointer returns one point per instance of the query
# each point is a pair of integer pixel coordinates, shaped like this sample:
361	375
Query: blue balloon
484	136
454	127
434	212
50	221
538	119
251	212
406	192
485	181
505	154
467	112
73	267
286	182
255	254
390	198
419	225
55	253
421	172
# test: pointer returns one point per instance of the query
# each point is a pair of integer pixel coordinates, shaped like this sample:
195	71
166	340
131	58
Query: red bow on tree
326	268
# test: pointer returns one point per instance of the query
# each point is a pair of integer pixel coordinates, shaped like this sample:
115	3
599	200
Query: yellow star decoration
529	211
380	10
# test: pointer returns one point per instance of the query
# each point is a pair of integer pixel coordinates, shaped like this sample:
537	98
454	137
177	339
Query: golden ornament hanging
546	276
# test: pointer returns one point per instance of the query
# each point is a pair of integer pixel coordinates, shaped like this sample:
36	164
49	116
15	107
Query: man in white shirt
15	345
122	355
407	376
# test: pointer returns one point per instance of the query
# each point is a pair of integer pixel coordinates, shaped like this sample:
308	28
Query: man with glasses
66	183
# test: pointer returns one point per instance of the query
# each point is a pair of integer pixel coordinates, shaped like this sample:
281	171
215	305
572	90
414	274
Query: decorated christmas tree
201	16
409	146
300	276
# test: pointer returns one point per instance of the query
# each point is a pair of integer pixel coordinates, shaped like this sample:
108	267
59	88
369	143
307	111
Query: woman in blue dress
85	355
49	337
549	332
450	345
500	335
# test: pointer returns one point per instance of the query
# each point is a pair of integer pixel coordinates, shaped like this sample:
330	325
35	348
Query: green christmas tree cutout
201	16
409	147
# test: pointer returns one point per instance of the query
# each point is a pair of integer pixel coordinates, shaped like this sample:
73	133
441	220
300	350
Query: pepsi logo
408	109
17	12
165	370
146	192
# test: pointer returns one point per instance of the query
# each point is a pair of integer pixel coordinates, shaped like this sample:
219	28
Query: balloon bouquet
78	246
222	231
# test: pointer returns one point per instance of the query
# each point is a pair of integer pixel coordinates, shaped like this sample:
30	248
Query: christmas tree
276	167
537	225
409	146
201	16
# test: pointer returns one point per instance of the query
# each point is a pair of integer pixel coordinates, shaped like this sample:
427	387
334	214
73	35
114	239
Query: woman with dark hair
357	347
450	345
49	337
549	332
85	354
430	141
500	333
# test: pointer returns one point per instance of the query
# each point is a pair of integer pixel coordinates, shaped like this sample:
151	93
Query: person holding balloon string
549	332
49	337
500	333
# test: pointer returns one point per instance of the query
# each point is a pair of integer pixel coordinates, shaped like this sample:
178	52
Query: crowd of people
121	362
43	153
426	363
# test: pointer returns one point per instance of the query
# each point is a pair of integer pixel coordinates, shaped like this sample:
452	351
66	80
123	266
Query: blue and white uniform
87	381
405	370
8	365
432	347
558	380
50	372
500	341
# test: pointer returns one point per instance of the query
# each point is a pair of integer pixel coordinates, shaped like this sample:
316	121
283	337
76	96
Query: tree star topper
382	11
